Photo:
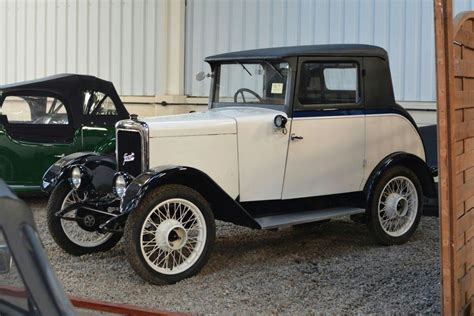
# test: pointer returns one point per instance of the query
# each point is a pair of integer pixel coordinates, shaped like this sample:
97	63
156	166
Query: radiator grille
129	152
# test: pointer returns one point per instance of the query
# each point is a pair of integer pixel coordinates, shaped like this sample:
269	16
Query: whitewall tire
396	206
69	235
169	236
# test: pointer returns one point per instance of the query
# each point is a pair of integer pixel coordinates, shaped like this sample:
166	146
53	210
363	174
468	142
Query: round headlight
120	185
76	176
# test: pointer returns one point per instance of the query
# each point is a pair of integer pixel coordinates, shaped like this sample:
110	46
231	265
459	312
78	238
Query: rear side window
324	83
34	110
98	103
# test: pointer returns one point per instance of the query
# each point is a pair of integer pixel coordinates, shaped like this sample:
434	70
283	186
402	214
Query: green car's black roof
62	83
70	88
306	50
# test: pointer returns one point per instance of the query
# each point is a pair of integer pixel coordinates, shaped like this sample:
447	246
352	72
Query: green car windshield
257	84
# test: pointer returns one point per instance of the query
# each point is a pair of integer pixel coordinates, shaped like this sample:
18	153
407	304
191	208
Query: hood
213	122
191	124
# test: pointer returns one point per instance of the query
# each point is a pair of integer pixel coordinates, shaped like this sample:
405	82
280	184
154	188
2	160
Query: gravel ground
336	268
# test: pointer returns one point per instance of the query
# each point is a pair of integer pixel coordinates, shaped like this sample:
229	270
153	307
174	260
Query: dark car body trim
224	207
100	170
357	111
416	164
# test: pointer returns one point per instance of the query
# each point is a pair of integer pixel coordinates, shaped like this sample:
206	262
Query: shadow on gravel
332	269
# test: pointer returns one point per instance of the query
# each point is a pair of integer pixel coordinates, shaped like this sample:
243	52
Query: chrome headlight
121	181
76	178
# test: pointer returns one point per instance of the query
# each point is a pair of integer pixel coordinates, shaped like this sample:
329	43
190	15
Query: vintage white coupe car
292	135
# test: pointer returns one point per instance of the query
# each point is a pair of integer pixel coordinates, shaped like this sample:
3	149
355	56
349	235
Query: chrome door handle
294	137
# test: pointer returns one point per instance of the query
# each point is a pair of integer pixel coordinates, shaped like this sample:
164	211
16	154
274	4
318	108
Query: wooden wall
463	221
455	86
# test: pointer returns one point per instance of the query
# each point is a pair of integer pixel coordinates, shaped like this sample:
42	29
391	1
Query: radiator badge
128	157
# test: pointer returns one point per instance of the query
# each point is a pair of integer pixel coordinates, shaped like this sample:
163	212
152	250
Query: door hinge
364	163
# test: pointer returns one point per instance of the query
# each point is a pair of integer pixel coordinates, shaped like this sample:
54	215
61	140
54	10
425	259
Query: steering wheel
242	90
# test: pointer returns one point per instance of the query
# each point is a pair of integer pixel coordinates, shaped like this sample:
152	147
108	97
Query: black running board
295	218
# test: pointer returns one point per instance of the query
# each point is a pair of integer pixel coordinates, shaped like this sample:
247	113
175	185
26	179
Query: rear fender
414	163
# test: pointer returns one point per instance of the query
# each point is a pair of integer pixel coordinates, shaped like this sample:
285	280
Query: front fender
223	206
100	169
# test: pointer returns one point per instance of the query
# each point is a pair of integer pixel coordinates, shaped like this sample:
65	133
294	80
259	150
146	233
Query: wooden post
455	87
445	100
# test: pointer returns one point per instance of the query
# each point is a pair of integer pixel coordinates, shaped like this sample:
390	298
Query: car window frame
360	104
99	104
103	120
287	106
33	93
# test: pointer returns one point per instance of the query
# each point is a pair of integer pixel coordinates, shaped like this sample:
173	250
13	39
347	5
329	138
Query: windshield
262	84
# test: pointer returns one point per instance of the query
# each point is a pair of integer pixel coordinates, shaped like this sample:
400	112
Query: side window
326	83
98	103
34	110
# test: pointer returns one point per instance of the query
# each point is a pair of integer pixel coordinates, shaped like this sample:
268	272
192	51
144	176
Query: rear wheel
396	206
169	236
76	238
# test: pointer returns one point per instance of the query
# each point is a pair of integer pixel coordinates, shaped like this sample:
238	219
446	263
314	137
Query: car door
327	136
35	131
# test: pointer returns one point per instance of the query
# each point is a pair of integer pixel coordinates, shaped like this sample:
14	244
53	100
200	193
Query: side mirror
5	259
280	121
200	76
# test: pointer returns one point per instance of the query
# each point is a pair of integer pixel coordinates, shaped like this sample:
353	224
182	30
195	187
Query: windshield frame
285	107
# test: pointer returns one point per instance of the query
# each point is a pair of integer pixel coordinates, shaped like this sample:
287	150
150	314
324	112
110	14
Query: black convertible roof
306	50
70	89
62	84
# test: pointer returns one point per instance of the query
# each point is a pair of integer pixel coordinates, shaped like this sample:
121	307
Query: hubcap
173	236
77	234
398	206
89	220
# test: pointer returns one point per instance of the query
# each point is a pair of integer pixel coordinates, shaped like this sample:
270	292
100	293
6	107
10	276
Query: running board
295	218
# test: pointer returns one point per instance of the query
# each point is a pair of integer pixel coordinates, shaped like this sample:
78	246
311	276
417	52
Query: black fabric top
62	84
307	50
70	88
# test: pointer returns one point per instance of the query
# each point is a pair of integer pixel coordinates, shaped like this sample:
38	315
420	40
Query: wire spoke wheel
398	206
173	236
76	233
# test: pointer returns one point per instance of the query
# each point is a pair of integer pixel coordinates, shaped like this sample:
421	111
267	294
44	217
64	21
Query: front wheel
76	237
396	206
169	236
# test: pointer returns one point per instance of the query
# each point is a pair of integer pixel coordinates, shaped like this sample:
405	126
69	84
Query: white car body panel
191	124
328	160
262	153
387	134
249	163
243	152
215	155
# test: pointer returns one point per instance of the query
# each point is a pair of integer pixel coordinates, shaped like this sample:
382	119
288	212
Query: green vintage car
43	120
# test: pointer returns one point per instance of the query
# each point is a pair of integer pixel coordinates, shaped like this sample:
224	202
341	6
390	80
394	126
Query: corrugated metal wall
405	28
119	40
126	41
